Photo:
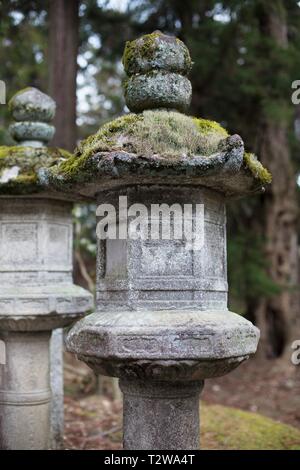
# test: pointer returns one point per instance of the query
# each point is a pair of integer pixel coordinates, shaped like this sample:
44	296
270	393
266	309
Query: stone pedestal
25	393
161	415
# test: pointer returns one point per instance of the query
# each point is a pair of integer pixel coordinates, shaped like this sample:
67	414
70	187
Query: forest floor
268	388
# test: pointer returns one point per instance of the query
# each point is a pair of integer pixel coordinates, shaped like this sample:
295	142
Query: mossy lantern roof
157	143
32	111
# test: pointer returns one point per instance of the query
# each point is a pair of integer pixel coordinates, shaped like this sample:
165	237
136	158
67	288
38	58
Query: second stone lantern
37	294
161	324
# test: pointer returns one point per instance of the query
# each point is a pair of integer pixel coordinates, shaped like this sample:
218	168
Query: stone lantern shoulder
19	167
164	146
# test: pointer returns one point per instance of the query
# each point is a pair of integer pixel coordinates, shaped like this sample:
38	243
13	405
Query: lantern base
160	415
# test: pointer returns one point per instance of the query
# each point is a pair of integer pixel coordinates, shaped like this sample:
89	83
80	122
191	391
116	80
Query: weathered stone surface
57	390
25	391
176	405
165	274
158	90
31	104
164	345
27	130
156	64
156	51
19	166
36	256
179	150
226	172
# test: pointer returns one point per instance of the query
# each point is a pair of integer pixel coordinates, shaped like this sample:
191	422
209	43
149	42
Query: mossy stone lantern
161	324
37	294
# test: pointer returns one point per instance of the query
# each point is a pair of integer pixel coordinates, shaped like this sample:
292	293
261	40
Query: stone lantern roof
33	112
156	142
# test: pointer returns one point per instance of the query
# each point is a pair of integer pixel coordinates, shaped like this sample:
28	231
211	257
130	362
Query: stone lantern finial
33	112
157	65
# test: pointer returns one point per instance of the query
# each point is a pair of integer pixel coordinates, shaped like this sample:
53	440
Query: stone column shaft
57	389
160	415
25	391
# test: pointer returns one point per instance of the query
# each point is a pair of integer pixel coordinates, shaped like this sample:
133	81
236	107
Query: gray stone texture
158	90
157	65
156	51
28	131
57	389
174	405
31	104
25	391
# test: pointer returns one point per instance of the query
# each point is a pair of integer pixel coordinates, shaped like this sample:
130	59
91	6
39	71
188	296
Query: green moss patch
253	165
225	428
19	166
154	50
20	92
165	133
144	51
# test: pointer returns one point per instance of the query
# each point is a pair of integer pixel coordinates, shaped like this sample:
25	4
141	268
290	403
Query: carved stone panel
166	273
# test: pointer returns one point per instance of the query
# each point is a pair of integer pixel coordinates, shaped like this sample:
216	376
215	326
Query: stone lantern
161	323
37	294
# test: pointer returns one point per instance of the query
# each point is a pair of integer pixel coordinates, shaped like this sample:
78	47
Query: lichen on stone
257	170
160	132
30	104
25	161
157	132
132	51
160	143
158	90
156	51
20	92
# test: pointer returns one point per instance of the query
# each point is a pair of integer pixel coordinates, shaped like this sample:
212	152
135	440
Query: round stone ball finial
157	65
33	111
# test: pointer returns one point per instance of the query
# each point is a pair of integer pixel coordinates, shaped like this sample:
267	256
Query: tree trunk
277	316
63	49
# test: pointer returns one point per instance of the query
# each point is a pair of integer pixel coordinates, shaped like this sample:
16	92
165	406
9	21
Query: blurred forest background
246	56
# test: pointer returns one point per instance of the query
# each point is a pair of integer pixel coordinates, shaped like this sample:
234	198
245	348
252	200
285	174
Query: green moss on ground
225	428
27	161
